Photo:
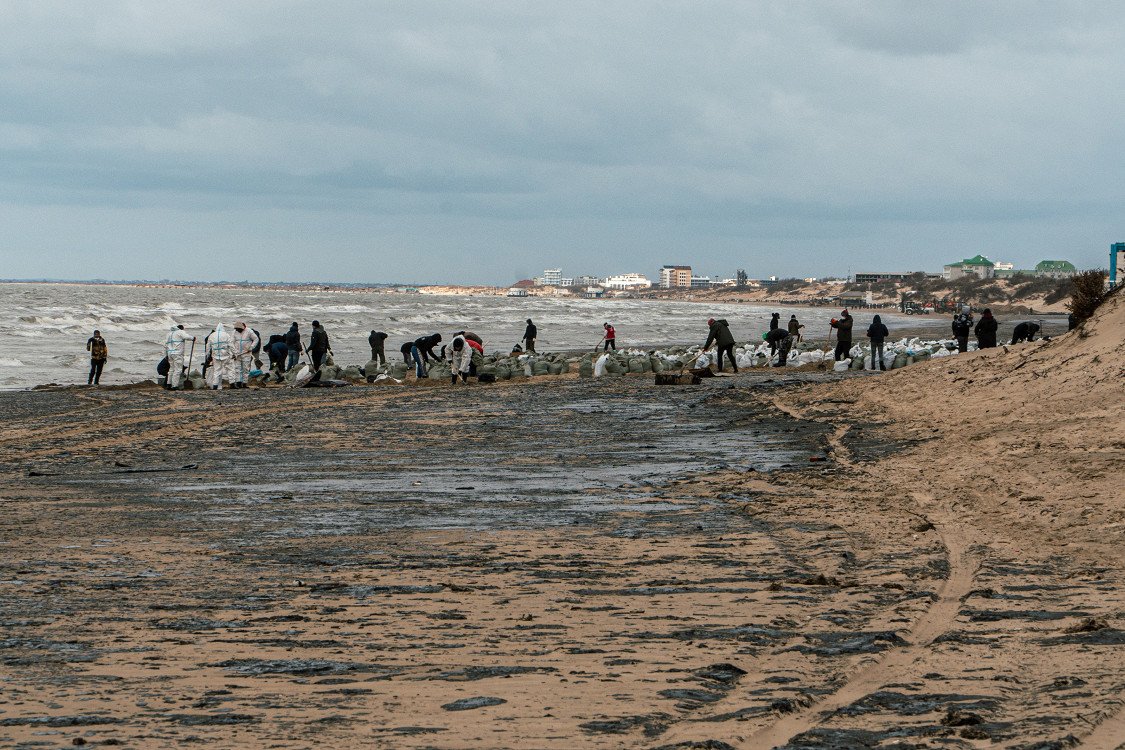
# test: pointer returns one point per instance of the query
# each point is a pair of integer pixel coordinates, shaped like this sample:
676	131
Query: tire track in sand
897	663
894	664
1108	735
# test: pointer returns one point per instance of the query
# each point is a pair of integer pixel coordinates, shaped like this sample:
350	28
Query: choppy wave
48	325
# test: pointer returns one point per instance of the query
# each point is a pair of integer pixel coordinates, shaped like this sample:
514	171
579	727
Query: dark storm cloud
457	141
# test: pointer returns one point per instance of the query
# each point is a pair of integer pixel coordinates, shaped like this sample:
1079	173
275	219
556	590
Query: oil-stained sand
552	564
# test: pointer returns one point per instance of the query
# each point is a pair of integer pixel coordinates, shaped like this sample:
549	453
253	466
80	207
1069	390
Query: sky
481	142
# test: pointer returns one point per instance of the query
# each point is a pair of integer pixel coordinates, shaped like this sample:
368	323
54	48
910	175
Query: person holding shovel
610	338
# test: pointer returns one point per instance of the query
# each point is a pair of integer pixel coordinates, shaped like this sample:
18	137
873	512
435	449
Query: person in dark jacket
293	344
986	330
529	335
99	353
795	327
775	323
962	327
843	327
404	350
422	351
318	344
1071	322
376	341
780	340
470	336
1025	332
278	354
878	333
720	335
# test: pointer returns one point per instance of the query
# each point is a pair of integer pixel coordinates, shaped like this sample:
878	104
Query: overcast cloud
481	142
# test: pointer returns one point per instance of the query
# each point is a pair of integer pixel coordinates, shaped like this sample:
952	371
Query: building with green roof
978	265
1055	269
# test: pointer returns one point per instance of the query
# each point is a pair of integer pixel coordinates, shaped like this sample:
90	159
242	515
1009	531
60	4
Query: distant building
1116	264
700	282
551	277
978	265
586	281
566	282
1003	266
675	277
517	291
627	281
593	292
1049	269
874	277
1055	269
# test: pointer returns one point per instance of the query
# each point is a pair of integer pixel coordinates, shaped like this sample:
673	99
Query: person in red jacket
610	338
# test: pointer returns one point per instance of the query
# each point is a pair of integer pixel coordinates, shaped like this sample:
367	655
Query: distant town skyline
479	143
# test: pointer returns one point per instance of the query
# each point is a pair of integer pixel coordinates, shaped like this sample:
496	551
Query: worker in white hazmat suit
175	348
244	342
220	349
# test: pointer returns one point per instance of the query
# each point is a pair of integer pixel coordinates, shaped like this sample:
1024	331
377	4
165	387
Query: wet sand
555	563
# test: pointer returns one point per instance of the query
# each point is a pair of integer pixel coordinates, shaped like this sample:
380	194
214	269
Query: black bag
486	377
162	368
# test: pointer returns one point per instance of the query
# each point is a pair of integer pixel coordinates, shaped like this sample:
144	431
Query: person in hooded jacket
529	335
99	353
318	344
460	356
294	345
220	350
878	333
781	341
719	333
962	327
471	338
175	349
278	353
376	341
986	330
843	327
1024	332
795	327
775	323
422	351
243	342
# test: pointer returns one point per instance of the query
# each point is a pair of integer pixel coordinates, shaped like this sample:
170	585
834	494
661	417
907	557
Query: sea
46	325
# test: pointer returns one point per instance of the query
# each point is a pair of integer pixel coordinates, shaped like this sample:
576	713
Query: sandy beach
926	558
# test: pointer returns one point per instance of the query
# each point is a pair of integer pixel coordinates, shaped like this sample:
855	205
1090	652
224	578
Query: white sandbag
842	365
599	366
303	377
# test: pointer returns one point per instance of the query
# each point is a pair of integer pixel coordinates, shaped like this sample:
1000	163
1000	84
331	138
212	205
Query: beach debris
467	704
1088	625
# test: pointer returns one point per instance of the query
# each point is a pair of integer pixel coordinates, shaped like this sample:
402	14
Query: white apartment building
627	281
551	277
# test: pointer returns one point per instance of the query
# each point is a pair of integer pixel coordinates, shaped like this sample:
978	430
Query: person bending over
423	353
720	335
376	340
1024	332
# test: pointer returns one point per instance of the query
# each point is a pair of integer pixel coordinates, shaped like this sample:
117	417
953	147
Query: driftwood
689	377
